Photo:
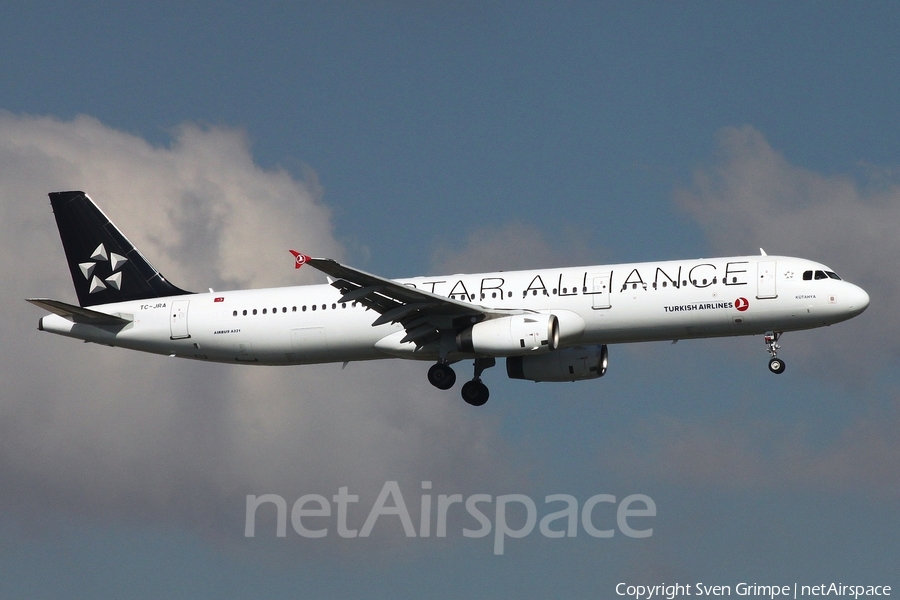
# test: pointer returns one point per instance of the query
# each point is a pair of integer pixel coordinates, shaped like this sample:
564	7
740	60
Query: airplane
550	325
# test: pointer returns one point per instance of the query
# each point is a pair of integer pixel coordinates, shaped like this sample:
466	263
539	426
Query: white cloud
105	433
753	197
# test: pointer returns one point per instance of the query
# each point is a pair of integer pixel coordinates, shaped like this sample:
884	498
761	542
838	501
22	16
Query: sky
425	138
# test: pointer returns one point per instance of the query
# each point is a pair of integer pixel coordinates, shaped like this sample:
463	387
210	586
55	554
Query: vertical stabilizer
105	266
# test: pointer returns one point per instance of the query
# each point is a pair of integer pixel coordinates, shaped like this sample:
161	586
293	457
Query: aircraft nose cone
859	300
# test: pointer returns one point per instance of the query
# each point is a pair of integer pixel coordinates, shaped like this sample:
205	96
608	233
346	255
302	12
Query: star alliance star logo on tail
99	256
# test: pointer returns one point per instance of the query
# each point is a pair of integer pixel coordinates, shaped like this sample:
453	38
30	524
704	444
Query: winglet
300	259
761	253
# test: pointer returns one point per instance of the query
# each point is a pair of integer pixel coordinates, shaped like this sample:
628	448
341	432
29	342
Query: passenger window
245	312
254	311
303	308
234	314
293	309
314	307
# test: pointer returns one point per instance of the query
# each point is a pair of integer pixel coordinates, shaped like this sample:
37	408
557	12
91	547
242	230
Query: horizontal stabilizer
77	314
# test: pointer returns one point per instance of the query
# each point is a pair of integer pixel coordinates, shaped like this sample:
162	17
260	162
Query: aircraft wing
423	314
77	314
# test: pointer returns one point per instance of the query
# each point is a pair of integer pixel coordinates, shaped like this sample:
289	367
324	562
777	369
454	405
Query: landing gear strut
475	392
776	365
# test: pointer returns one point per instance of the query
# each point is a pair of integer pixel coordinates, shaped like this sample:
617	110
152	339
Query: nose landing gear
776	365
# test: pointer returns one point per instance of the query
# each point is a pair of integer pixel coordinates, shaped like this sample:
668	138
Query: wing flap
399	314
417	333
383	294
360	292
421	313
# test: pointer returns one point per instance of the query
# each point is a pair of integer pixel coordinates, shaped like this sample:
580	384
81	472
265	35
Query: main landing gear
474	392
441	376
776	365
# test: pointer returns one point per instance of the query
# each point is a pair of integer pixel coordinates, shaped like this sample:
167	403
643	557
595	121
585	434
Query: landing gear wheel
776	365
441	376
475	393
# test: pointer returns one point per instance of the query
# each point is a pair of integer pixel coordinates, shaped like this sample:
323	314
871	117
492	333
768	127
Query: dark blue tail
105	266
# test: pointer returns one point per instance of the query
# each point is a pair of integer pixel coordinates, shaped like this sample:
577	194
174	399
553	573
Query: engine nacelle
569	364
506	336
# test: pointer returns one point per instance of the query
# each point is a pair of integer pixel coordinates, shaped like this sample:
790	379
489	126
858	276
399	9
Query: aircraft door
765	279
244	352
600	291
178	320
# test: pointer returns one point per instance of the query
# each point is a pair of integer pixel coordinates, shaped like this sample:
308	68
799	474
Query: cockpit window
809	275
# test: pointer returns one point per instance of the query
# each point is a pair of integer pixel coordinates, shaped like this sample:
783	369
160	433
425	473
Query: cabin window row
684	282
284	309
483	296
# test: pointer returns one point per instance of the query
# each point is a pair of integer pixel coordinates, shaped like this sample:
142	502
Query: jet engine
517	334
569	364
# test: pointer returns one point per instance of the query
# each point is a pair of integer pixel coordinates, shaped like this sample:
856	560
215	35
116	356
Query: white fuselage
601	304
